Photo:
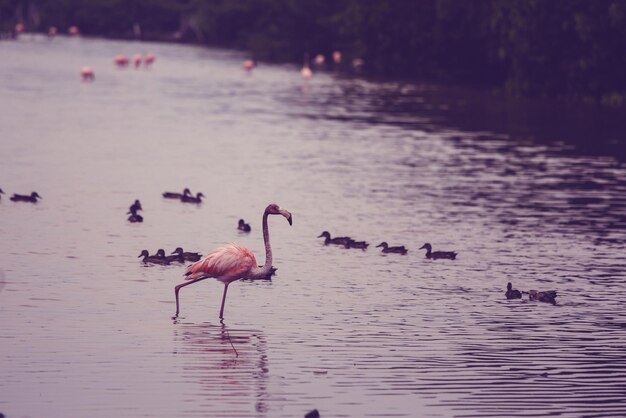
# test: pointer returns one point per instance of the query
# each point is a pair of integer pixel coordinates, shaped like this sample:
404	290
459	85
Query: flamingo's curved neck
268	248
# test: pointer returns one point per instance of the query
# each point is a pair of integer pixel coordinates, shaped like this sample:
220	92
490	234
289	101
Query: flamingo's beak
287	215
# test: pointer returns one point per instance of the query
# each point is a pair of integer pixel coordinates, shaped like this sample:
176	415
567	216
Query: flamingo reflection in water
232	262
230	365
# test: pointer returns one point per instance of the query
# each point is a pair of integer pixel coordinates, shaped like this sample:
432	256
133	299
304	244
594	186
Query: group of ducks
177	255
185	196
32	198
548	296
348	242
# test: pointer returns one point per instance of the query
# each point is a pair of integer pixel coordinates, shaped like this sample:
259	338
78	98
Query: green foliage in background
573	48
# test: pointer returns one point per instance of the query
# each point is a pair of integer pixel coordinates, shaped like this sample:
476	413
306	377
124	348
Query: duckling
548	296
25	198
512	293
147	258
134	217
336	240
387	249
243	226
191	199
134	207
357	244
174	195
186	255
450	255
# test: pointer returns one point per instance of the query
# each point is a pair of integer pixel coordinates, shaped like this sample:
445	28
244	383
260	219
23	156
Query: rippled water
87	330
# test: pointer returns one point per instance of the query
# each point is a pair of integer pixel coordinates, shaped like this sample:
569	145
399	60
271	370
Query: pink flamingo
73	31
306	71
137	60
121	60
52	31
248	65
87	74
149	59
232	262
337	57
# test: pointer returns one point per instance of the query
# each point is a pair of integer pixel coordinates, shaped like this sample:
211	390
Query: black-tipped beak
140	255
379	245
287	215
422	247
321	236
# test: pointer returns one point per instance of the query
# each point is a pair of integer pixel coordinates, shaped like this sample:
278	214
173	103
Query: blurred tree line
573	48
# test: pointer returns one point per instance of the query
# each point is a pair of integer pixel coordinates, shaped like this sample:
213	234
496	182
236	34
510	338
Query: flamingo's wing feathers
231	260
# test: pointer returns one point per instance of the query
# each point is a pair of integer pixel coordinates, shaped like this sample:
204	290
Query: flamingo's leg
180	286
223	301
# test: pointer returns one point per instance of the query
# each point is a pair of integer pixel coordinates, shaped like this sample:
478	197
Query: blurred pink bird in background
87	74
232	262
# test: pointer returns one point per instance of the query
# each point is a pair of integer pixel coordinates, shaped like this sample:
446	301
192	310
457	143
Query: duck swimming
336	240
512	293
134	217
25	198
548	296
174	195
147	258
243	226
186	255
357	244
191	199
134	207
450	255
387	249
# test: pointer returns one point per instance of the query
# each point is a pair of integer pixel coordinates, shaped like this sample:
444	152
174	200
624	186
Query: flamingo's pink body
226	263
73	31
149	59
137	60
87	74
232	262
121	60
248	65
52	31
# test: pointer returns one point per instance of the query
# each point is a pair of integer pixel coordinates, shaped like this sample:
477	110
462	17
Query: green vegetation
572	48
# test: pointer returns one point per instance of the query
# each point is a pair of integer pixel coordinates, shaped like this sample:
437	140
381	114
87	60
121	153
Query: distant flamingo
305	72
87	74
232	262
137	60
337	57
149	59
52	31
121	60
248	65
73	31
319	60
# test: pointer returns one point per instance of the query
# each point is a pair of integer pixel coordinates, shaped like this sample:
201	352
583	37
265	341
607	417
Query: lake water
533	193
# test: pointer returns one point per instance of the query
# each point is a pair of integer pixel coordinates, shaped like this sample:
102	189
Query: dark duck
548	296
243	226
191	199
362	245
1	192
187	256
174	195
25	198
134	216
435	255
134	207
154	259
387	249
336	240
512	293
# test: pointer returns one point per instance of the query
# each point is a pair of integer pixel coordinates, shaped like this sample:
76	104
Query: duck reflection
229	364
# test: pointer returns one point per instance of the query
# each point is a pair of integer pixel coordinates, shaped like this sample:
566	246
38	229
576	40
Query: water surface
87	330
